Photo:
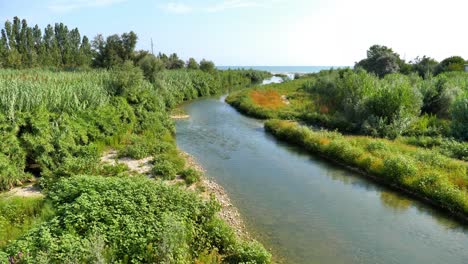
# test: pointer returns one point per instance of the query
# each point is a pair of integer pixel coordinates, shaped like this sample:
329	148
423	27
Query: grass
29	90
19	214
59	123
269	99
427	174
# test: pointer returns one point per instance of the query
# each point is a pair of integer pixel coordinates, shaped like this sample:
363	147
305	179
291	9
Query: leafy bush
190	176
165	169
460	118
132	220
18	214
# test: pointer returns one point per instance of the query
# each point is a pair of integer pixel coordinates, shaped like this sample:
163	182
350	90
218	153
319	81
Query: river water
309	211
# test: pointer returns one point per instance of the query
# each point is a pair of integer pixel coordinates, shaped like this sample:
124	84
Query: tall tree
129	41
15	34
74	43
207	66
86	54
174	62
424	66
454	63
3	49
381	60
192	64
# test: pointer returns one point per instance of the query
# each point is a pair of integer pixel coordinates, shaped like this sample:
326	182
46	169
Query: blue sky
265	32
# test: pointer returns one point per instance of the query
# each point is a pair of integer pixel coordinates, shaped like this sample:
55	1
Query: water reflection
393	201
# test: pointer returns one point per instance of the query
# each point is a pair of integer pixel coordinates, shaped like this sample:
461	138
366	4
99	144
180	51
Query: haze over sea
283	69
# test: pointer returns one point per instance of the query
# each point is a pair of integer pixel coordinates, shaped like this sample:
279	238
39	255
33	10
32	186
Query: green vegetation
419	171
62	133
420	108
129	220
55	125
18	214
190	176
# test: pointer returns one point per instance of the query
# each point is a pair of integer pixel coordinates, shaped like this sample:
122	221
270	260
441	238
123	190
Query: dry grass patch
268	99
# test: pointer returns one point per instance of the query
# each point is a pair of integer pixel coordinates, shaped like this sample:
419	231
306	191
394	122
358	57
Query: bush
125	219
460	118
190	176
165	169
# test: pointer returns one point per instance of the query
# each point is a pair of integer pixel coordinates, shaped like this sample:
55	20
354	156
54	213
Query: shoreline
180	116
228	213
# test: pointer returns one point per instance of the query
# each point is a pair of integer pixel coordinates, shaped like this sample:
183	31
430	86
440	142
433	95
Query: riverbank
431	178
205	187
229	213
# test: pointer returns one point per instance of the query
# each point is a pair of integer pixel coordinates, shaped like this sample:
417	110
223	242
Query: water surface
307	210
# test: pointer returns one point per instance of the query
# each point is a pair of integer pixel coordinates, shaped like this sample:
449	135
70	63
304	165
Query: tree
114	50
129	41
424	66
174	62
3	49
52	56
192	64
15	33
381	61
460	118
207	66
151	65
74	43
454	63
86	54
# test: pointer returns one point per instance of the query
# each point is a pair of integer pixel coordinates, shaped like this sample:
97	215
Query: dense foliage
129	220
382	60
355	101
22	46
62	131
18	214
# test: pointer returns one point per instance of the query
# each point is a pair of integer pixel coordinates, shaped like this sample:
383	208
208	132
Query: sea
284	69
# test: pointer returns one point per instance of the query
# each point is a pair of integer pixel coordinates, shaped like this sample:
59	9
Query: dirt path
142	166
25	191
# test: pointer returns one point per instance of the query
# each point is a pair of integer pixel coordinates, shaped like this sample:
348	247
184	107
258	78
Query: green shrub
190	176
132	220
165	169
249	252
460	118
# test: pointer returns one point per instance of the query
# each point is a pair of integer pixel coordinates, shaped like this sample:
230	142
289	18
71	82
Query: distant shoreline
283	69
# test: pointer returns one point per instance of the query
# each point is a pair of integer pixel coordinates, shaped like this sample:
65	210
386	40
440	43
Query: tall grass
58	92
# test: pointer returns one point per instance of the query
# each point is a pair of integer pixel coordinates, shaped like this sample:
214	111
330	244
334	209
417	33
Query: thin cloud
184	8
178	8
232	4
70	5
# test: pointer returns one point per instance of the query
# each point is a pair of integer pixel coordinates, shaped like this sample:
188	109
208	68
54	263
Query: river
307	210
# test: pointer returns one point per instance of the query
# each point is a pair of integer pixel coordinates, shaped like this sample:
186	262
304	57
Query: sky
265	32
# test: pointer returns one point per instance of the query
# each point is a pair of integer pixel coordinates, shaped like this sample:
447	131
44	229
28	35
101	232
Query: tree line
23	46
382	60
